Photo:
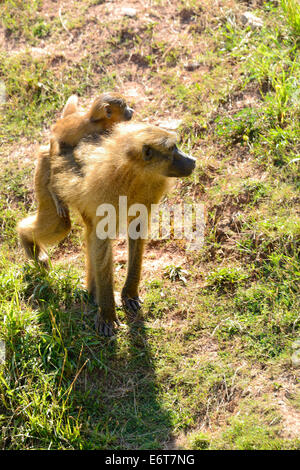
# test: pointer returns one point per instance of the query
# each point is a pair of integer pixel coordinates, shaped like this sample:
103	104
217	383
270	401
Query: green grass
35	91
247	432
209	359
20	17
292	11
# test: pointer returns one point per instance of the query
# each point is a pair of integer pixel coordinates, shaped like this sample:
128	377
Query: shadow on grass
145	423
116	393
130	408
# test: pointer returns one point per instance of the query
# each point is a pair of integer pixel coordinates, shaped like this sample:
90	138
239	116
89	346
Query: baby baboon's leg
32	248
100	279
43	228
61	209
130	295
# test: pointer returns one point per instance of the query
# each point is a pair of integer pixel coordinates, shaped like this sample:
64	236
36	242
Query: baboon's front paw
131	304
105	327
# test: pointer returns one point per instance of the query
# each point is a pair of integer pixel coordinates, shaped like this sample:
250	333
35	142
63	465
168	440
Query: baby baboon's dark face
117	113
117	110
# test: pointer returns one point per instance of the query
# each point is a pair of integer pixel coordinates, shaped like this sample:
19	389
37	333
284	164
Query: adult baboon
135	161
51	223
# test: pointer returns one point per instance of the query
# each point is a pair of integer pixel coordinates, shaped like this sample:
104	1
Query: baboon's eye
147	153
108	112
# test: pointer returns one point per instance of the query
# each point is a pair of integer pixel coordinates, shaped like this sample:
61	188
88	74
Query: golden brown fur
136	162
46	226
107	110
114	168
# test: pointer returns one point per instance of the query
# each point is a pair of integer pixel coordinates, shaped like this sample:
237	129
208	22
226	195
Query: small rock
118	299
2	93
39	53
296	344
249	19
127	11
296	358
171	124
2	352
191	66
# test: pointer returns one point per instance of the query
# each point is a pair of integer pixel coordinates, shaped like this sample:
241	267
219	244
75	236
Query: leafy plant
226	278
176	273
243	126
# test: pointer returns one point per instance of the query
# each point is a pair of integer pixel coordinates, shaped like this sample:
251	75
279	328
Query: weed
176	273
243	126
226	278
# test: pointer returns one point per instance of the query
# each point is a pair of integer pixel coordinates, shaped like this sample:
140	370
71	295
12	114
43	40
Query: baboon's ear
71	106
147	153
107	110
99	111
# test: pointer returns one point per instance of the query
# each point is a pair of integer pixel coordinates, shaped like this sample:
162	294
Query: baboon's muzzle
128	113
182	165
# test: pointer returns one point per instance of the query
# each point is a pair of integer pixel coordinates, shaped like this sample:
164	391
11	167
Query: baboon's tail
71	106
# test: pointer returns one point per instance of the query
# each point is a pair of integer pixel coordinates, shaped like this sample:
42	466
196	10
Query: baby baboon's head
109	109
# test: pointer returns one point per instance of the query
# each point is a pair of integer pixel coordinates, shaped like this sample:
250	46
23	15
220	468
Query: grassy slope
208	364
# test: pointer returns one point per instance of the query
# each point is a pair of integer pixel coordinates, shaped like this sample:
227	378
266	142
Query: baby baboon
106	110
135	161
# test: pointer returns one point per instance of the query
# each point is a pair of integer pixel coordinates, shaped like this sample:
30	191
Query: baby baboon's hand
62	211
